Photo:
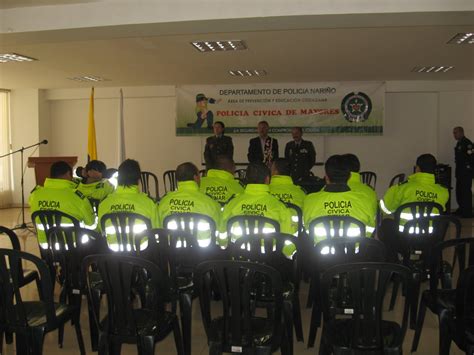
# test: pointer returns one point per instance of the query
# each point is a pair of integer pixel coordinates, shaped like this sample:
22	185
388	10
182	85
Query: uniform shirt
339	200
257	201
130	199
220	185
215	146
188	199
355	184
464	157
420	187
284	189
301	156
61	195
96	190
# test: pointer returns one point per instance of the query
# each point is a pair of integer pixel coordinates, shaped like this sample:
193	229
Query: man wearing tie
217	145
263	149
301	155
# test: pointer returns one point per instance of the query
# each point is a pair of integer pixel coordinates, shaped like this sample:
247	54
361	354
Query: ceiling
162	55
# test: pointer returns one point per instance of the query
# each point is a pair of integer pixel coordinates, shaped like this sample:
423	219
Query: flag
91	142
121	132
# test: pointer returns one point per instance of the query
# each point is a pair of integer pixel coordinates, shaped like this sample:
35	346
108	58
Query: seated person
187	198
337	199
282	186
256	200
219	183
59	193
95	186
355	183
128	198
420	187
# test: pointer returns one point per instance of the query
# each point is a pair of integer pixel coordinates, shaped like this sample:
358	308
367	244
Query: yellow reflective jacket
283	188
220	185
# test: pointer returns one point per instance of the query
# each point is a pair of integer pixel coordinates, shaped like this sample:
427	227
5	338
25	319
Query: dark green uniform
464	157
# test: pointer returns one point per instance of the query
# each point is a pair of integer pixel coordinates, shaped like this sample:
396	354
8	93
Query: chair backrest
202	227
327	227
15	246
297	217
242	225
337	251
414	210
95	205
236	281
121	229
366	285
45	219
241	175
145	178
68	246
169	180
397	179
369	178
118	273
13	309
269	249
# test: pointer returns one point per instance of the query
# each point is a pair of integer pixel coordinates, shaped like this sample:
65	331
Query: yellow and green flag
91	141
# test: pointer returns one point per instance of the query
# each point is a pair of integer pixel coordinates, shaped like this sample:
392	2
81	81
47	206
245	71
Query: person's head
262	128
61	170
352	162
201	100
458	133
187	172
297	133
281	166
223	162
218	128
426	163
336	170
257	173
95	169
129	173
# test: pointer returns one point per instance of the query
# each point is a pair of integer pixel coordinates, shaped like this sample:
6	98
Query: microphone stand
23	225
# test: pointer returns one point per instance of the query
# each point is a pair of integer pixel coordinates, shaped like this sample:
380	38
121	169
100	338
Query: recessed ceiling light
219	46
92	78
462	38
14	57
248	72
432	69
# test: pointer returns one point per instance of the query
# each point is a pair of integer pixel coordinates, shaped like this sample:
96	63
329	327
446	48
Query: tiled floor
11	217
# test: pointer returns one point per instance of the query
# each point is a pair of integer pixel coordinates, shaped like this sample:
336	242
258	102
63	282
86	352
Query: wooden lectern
42	166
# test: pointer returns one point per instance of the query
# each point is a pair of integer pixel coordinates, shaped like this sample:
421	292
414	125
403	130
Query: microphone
45	141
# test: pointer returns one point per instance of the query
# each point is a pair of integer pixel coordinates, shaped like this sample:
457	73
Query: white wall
419	117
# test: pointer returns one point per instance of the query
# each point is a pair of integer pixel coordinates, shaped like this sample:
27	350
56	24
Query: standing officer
263	149
217	145
301	155
464	158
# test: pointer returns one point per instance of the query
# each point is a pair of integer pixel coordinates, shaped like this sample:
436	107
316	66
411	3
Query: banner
338	108
91	141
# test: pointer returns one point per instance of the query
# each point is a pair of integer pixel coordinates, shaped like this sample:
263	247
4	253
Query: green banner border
361	130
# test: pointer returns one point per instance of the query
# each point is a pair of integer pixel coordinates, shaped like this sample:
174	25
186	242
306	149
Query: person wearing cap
464	159
282	186
219	183
301	155
202	111
95	187
263	149
355	182
256	200
128	198
218	145
420	187
337	199
187	198
59	193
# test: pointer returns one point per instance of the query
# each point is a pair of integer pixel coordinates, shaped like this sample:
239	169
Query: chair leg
185	304
419	325
288	326
8	337
36	339
103	344
416	296
393	299
22	344
314	324
444	336
297	318
77	326
178	339
61	335
146	345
